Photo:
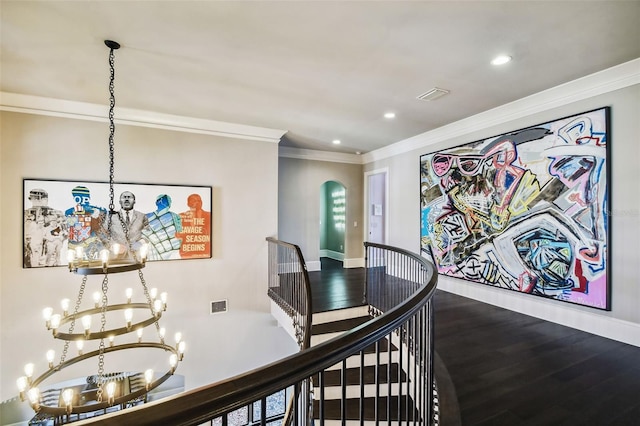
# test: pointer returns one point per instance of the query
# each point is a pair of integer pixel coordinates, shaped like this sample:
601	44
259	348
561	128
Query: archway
333	213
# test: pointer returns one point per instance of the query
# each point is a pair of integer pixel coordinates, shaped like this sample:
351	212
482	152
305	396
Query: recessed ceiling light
501	60
389	115
358	152
336	141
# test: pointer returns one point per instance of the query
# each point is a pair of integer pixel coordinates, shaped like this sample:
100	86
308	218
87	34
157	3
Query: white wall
244	177
299	185
616	89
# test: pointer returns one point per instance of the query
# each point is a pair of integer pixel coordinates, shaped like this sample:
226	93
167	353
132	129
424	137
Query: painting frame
527	210
175	220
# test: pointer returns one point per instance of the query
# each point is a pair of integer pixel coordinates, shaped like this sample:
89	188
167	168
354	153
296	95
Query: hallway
512	369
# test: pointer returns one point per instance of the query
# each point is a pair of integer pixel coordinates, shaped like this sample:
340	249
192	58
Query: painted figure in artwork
164	225
125	228
485	192
196	230
579	163
44	230
84	222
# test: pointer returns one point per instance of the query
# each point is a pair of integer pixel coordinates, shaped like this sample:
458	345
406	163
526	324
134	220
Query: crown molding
29	104
605	81
310	154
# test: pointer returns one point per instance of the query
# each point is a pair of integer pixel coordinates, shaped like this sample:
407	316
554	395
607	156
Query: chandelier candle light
104	390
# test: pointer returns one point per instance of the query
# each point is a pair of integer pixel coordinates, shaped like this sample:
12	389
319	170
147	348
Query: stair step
369	359
339	314
339	325
333	377
341	321
327	331
351	423
321	338
332	409
370	391
316	339
328	325
384	344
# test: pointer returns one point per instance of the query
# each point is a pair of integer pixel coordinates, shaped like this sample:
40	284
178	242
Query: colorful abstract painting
526	211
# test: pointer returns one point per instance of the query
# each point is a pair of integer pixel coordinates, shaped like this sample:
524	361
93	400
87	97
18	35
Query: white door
377	207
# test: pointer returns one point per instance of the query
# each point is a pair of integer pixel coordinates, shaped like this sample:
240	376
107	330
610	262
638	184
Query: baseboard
354	263
331	254
598	323
313	265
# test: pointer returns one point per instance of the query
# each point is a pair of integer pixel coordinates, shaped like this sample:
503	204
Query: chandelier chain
79	298
149	300
103	315
112	128
105	281
73	321
103	325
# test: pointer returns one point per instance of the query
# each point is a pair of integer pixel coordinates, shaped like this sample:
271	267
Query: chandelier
109	324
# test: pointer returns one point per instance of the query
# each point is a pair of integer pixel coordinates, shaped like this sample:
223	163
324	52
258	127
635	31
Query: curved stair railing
397	343
289	287
393	277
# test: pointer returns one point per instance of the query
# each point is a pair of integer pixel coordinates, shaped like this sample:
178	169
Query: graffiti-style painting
525	211
173	221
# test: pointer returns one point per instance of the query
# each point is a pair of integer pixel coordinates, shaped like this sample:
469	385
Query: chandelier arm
91	311
104	404
98	269
111	332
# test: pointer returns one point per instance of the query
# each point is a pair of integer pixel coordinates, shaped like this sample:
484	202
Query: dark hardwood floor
508	368
336	288
513	369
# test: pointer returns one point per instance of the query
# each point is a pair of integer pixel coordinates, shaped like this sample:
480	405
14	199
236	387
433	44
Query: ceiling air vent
218	306
433	94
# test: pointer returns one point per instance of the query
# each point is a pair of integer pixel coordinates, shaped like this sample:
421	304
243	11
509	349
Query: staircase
390	381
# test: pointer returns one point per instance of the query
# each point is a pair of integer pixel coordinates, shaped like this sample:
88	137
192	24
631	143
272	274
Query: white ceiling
321	70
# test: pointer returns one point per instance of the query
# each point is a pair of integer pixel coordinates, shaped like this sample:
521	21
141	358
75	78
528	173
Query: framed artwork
174	220
526	211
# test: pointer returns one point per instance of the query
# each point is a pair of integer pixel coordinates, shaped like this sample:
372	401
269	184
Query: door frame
367	175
